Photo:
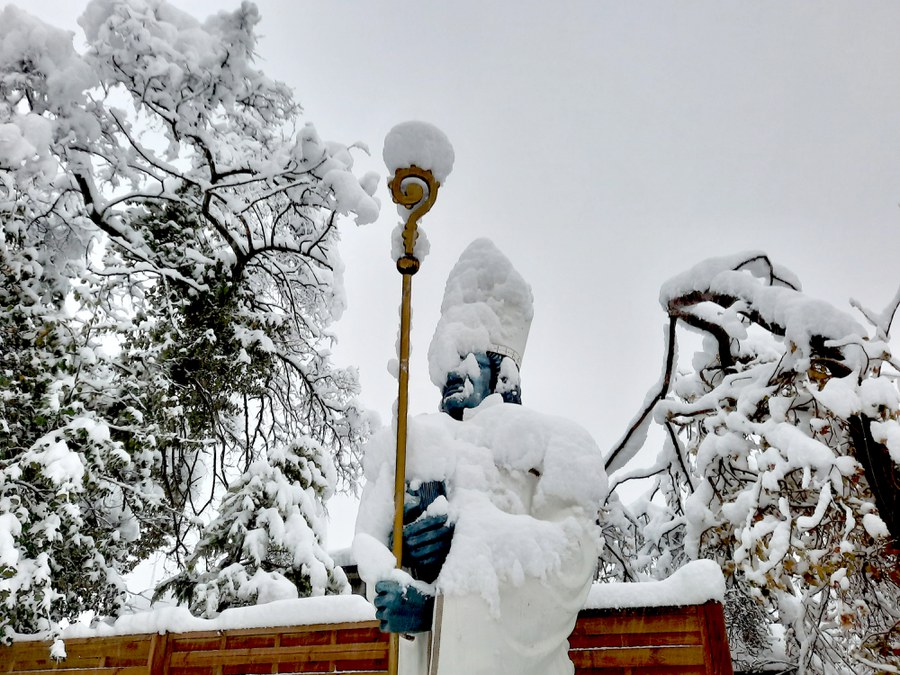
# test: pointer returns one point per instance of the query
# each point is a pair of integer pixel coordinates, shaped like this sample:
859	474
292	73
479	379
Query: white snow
419	144
486	461
487	306
10	527
350	196
878	394
293	612
840	395
58	650
59	463
270	587
801	317
694	584
51	52
398	250
875	526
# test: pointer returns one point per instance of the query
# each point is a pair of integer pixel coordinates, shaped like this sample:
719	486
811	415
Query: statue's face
467	385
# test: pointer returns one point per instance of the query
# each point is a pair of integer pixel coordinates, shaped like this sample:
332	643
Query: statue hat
487	307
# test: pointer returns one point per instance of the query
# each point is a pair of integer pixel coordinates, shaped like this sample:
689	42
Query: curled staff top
420	158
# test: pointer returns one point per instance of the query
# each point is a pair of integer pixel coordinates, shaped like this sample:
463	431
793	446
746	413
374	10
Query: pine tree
265	544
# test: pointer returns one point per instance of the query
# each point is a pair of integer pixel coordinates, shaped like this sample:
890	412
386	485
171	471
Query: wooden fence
687	640
651	641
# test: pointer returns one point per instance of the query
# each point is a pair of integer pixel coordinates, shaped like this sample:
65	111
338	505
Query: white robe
525	546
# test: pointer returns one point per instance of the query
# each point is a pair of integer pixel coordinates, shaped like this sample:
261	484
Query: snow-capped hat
487	306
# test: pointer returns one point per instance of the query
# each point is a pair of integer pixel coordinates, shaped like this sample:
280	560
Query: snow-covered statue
500	538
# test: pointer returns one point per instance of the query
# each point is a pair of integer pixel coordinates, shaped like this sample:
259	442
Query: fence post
713	621
159	655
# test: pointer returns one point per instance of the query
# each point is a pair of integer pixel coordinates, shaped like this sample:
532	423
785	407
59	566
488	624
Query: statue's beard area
458	396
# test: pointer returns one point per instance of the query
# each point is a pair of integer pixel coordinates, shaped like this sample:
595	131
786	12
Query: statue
500	540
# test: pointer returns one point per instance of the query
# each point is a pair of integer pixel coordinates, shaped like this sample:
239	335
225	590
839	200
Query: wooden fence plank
346	652
634	640
644	670
63	670
716	639
158	659
630	621
638	656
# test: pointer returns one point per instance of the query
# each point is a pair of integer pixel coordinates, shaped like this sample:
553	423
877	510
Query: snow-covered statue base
522	493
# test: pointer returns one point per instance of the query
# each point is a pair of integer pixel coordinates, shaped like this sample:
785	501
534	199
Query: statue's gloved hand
426	539
426	543
402	610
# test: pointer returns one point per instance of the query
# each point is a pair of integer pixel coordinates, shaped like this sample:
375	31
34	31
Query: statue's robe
523	491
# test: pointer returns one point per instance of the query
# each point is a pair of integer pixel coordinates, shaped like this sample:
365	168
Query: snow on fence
669	627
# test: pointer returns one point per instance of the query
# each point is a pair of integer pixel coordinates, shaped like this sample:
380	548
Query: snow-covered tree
72	499
781	461
169	234
265	542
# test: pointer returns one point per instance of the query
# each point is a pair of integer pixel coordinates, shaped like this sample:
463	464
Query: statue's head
477	377
486	315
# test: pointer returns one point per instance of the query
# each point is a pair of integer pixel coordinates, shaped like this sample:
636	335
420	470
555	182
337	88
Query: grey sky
604	147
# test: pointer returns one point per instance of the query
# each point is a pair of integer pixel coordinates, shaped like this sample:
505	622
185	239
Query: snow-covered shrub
780	462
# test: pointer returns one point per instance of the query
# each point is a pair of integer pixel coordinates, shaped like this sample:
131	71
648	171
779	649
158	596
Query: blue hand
402	610
426	543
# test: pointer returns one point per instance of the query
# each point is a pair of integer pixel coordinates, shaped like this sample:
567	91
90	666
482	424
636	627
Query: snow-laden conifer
265	543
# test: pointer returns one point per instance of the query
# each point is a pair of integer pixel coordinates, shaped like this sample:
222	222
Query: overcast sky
604	147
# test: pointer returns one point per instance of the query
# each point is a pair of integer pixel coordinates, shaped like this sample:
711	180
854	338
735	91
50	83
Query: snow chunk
59	463
58	650
10	528
694	584
14	148
269	587
840	395
419	144
700	275
351	196
809	522
878	394
875	526
375	560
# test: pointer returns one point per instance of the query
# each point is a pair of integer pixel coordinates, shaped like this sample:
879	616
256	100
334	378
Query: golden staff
415	189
